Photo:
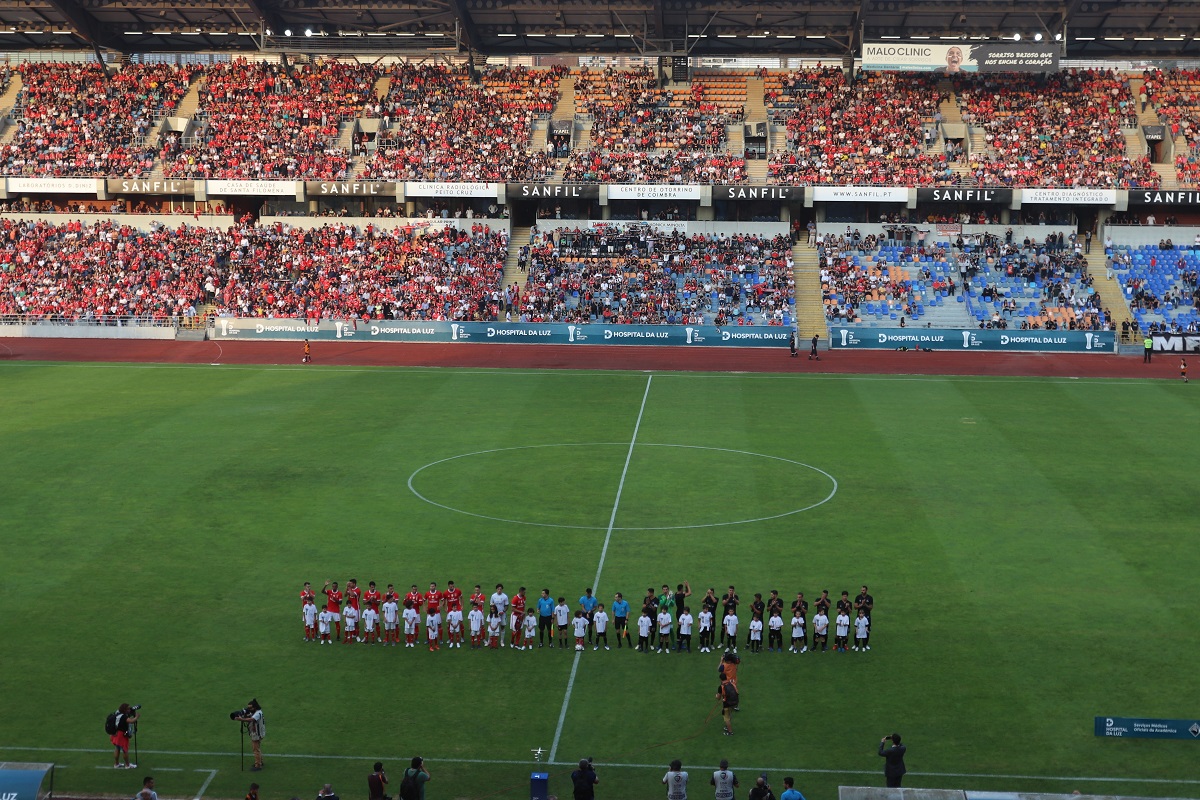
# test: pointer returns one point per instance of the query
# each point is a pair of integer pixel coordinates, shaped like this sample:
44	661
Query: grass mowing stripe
612	520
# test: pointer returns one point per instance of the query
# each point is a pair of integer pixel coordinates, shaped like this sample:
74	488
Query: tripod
133	734
242	747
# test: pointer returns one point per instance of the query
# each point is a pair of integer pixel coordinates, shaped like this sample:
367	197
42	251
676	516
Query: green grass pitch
1030	545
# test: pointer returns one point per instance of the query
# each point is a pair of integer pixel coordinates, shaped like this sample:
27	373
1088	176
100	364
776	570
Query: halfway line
612	520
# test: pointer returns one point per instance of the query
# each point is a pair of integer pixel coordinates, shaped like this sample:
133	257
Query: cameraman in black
377	783
584	780
124	721
252	717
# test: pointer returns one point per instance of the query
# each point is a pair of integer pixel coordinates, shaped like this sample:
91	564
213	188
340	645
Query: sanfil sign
1145	728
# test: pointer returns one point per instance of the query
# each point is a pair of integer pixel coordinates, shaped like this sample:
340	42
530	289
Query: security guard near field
1148	352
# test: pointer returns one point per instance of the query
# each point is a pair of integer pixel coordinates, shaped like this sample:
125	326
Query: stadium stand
438	125
74	120
1160	284
1061	129
634	274
868	133
643	134
1175	96
262	121
980	281
77	271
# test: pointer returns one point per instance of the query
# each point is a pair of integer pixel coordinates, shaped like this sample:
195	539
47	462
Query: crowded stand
77	120
668	166
436	124
869	132
976	280
1160	283
78	271
643	134
640	275
631	114
264	121
1175	95
1059	129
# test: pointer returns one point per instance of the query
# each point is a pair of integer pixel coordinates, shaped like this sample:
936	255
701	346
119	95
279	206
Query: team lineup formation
664	623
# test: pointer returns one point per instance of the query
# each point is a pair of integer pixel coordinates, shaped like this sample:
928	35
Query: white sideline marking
612	520
212	773
607	765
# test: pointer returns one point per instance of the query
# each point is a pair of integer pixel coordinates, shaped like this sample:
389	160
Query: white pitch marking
527	762
436	504
612	520
212	773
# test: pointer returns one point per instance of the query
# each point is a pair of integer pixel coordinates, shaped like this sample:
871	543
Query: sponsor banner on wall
1079	197
860	194
241	188
350	189
1176	342
561	127
949	194
1154	133
735	192
1171	197
956	339
149	186
454	189
1143	728
52	185
571	191
232	329
950	57
650	191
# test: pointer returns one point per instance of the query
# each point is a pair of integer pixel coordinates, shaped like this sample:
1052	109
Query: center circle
576	485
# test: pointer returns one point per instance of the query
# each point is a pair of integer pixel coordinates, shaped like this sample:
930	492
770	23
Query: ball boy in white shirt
600	624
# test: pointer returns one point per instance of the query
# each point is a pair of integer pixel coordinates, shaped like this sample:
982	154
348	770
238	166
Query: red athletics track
634	357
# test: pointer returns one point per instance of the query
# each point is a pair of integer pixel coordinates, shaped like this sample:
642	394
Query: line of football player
665	623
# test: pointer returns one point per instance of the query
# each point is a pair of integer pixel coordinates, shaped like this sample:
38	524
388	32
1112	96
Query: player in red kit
478	598
392	594
333	604
354	598
518	619
453	596
433	616
372	597
415	597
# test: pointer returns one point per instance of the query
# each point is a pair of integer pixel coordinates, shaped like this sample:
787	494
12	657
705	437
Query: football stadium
514	399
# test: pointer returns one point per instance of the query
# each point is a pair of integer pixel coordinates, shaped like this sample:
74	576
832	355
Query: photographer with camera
761	789
584	780
412	783
377	783
893	768
121	725
251	718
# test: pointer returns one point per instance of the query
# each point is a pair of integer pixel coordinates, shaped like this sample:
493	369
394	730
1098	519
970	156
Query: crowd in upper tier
437	125
79	271
326	120
77	120
266	122
1061	129
871	131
